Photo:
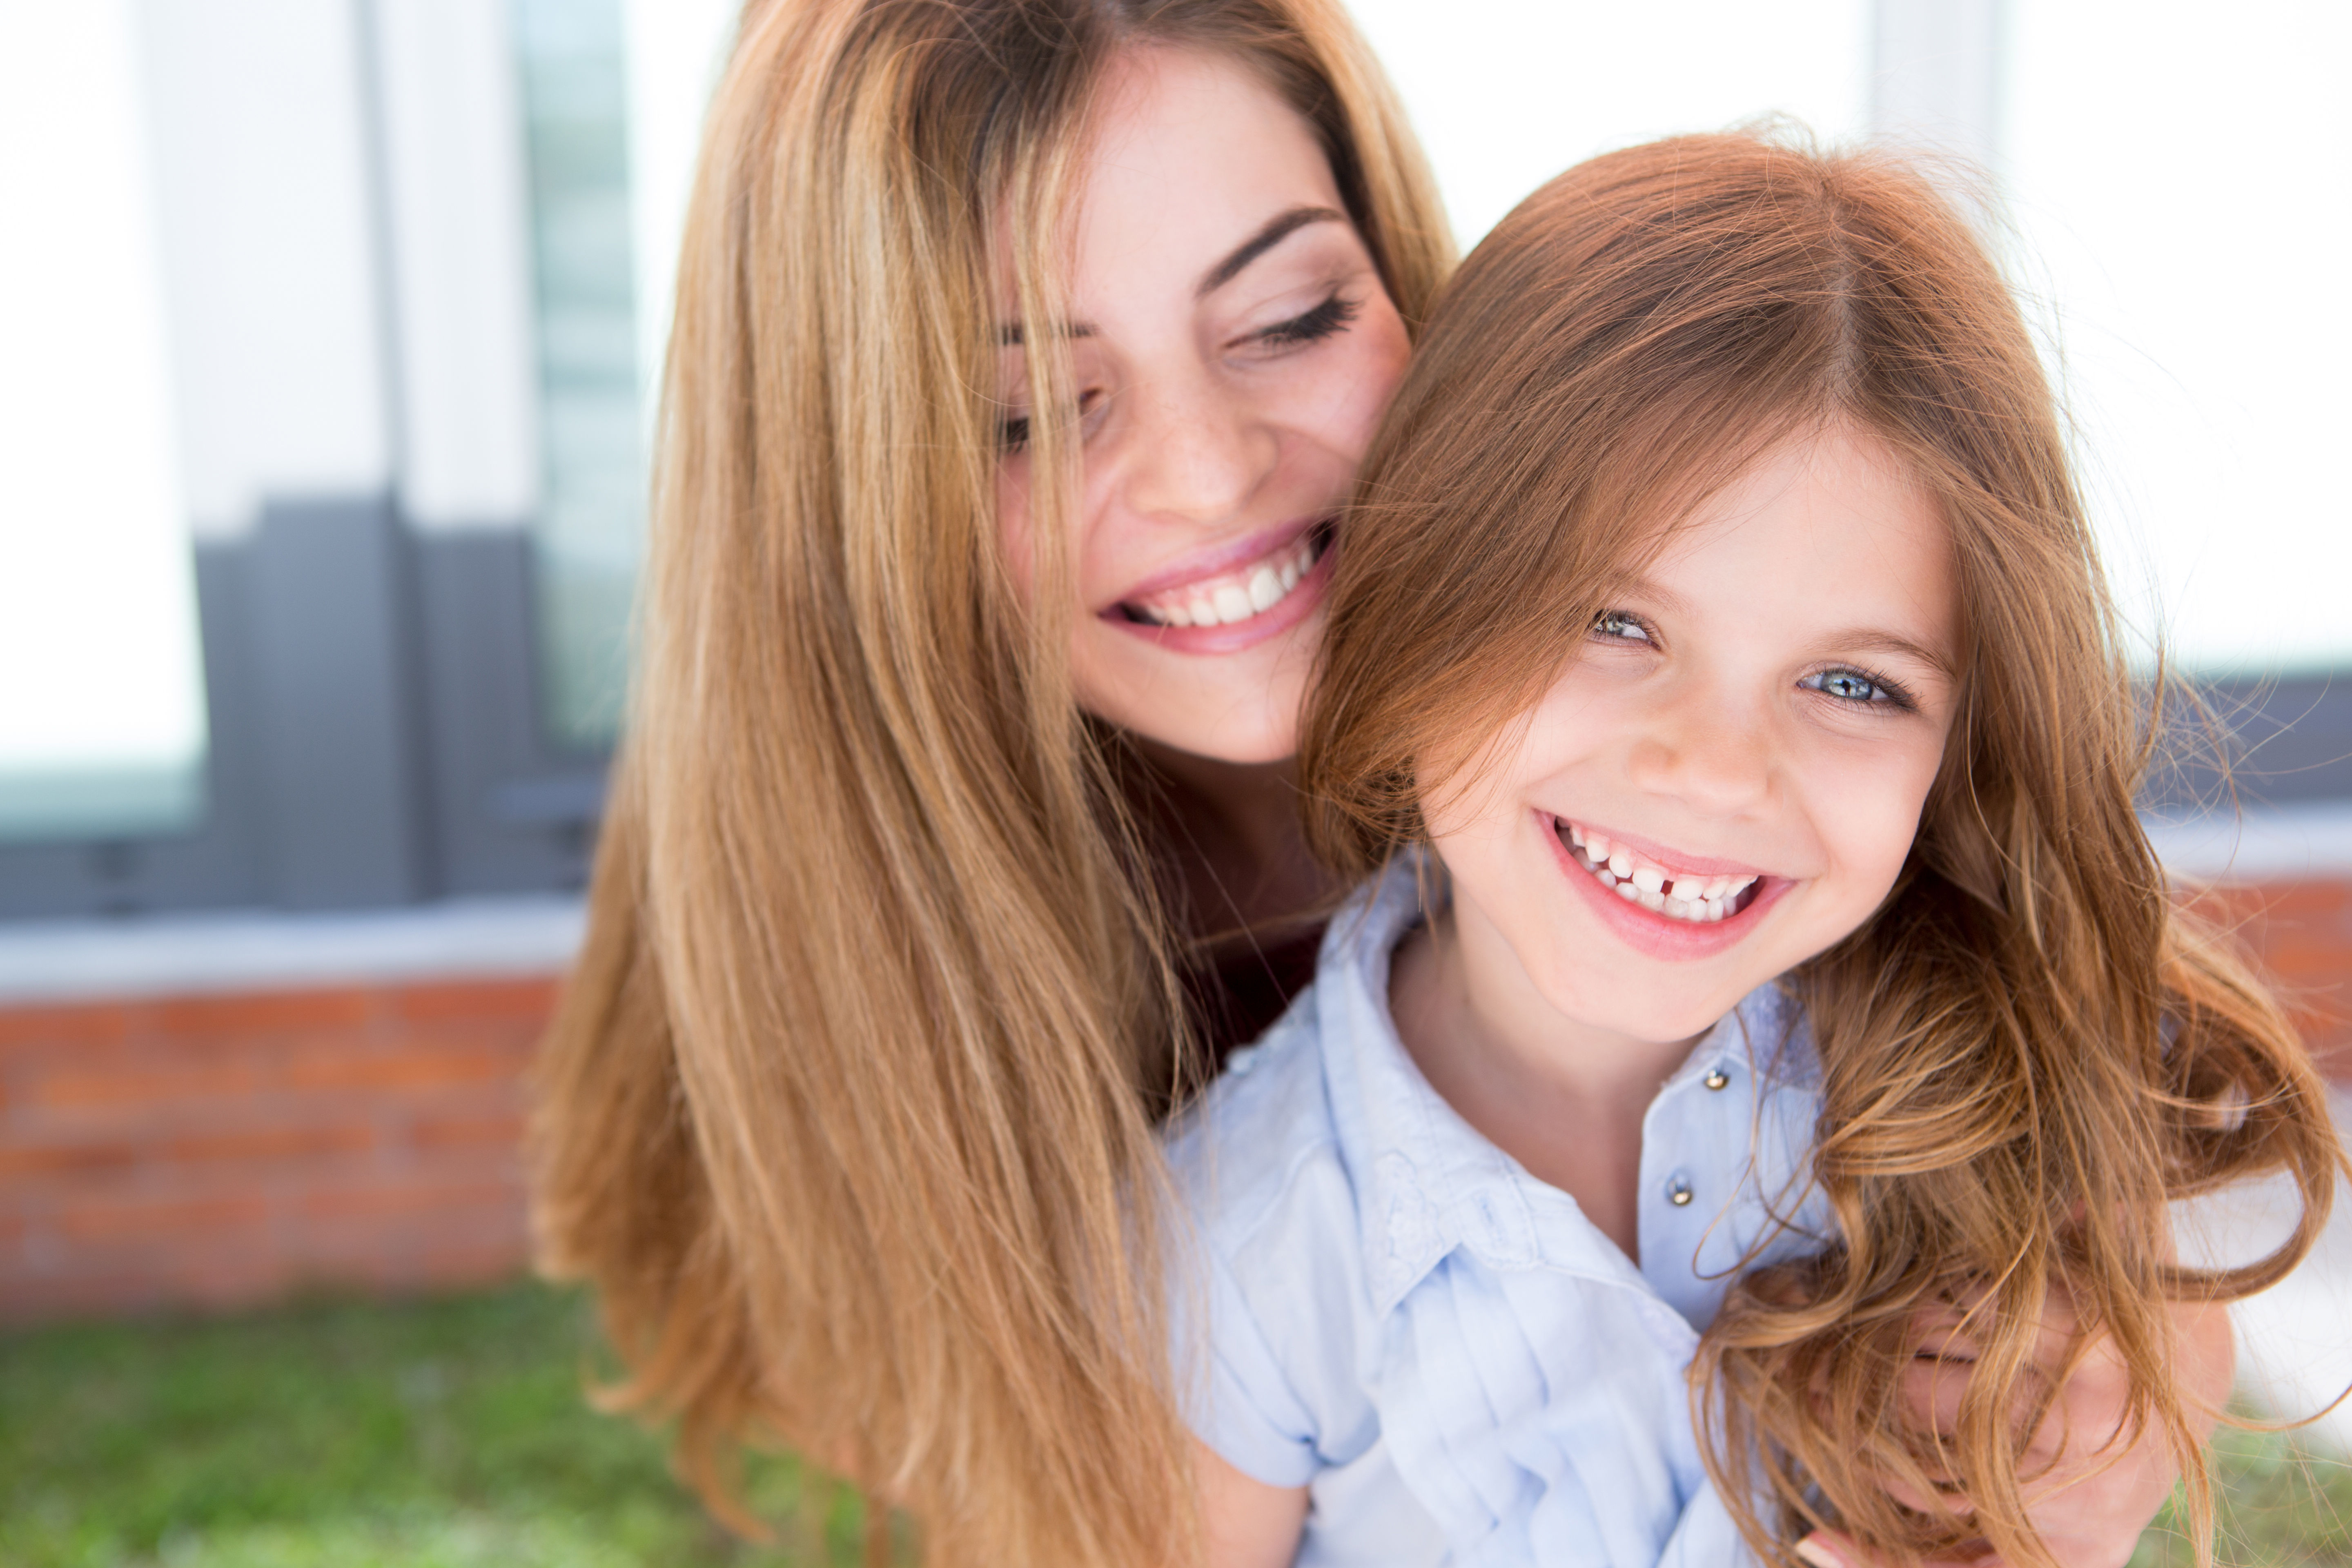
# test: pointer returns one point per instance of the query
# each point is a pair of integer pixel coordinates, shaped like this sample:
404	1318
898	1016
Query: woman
957	792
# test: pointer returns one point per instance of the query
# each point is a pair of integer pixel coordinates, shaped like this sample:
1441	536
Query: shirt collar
1427	1181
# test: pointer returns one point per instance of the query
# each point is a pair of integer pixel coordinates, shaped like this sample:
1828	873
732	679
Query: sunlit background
288	251
329	334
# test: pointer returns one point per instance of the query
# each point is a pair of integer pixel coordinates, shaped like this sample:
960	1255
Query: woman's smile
1232	348
1233	598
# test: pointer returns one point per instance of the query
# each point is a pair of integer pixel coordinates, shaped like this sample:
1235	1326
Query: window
102	725
590	531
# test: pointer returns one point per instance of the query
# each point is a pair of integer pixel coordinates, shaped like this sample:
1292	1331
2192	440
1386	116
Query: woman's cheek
1013	535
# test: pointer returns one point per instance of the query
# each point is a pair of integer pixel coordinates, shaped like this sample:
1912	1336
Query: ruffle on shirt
1562	1458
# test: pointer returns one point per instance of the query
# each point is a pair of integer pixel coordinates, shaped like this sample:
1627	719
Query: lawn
444	1435
452	1434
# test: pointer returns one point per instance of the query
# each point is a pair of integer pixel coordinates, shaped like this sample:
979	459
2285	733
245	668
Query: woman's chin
1249	718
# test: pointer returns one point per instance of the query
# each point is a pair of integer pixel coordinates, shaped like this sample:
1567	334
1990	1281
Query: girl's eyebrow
1872	639
1851	640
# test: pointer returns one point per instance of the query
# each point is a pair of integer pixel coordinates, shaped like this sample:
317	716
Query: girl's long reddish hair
2030	1050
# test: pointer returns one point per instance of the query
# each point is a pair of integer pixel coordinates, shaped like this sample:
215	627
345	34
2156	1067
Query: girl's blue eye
1620	627
1853	686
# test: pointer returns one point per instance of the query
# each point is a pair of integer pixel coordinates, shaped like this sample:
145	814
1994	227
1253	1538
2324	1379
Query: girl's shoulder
1238	1153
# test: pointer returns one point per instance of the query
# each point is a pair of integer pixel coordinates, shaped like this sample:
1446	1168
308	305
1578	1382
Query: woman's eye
1013	432
1619	626
1325	320
1853	686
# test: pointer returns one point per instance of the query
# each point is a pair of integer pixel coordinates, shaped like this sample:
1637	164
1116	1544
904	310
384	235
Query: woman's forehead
1190	157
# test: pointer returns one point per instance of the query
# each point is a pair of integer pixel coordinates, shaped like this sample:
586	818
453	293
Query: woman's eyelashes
1012	430
1327	319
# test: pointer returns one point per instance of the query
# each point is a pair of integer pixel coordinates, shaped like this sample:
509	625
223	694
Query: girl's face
1727	778
1234	348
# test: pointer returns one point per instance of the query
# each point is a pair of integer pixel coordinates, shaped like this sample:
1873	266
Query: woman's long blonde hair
2030	1050
845	1111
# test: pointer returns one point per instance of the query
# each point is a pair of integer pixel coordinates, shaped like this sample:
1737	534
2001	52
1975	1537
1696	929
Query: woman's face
1233	348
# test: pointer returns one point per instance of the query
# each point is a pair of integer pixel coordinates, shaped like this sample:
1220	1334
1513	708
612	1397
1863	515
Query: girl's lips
1294	607
1659	935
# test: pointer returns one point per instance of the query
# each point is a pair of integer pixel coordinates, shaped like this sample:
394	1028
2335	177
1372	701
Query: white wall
2178	175
1507	94
269	252
457	203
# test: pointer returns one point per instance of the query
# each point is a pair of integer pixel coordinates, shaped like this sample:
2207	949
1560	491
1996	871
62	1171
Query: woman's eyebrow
1010	334
1276	230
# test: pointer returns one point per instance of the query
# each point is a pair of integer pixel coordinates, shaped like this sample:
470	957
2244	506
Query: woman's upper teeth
1236	595
1686	895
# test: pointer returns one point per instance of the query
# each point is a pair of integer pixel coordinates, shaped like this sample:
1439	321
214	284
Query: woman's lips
1229	598
1257	591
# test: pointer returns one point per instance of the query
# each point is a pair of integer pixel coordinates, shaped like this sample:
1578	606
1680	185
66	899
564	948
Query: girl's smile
1663	903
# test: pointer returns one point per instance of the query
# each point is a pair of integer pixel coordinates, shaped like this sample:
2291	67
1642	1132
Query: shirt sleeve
1243	1404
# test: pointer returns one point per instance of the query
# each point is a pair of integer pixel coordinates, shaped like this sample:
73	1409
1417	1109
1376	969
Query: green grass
2282	1505
444	1435
453	1434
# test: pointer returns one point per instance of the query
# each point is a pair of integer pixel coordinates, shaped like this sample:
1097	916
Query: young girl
1720	681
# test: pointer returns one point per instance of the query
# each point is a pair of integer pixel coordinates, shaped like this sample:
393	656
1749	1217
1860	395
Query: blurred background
329	331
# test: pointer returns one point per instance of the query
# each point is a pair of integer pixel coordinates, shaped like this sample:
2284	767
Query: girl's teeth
1232	603
1701	900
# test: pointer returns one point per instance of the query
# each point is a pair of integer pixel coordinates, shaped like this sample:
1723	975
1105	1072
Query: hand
2094	1488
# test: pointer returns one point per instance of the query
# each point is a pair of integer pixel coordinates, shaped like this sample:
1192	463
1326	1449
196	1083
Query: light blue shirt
1460	1366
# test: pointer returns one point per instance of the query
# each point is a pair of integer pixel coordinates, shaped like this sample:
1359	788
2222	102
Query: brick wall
2302	932
222	1149
216	1150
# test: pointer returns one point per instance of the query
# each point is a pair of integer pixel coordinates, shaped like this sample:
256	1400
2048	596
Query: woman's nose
1192	452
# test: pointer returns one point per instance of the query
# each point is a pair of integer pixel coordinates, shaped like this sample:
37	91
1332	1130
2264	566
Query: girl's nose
1192	452
1708	750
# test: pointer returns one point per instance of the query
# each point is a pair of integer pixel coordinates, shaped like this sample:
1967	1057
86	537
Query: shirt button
1716	1077
1678	1192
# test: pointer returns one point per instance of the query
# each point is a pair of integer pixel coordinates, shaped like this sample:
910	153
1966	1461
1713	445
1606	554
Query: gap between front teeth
1700	900
1222	601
